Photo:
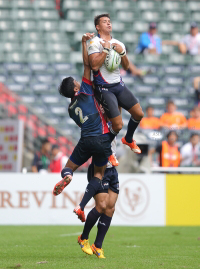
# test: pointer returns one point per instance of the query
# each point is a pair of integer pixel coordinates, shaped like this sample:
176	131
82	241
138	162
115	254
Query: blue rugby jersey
85	111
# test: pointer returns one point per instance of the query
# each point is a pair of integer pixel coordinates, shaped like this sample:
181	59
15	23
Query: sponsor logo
133	199
102	223
104	89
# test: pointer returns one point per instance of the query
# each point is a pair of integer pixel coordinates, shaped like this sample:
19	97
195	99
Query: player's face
194	31
104	25
150	112
172	138
47	148
77	85
171	108
195	140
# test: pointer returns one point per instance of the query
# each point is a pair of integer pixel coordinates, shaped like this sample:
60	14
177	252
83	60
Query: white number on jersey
79	112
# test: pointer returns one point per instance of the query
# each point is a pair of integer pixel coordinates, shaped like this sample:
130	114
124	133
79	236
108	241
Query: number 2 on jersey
79	112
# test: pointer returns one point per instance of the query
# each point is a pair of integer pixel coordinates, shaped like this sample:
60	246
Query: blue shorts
109	181
98	147
110	96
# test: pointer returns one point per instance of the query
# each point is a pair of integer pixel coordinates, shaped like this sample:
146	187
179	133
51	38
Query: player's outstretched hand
87	36
117	48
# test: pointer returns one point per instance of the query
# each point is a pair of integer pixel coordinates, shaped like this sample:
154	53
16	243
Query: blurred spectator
194	122
172	118
150	122
149	42
41	159
59	160
169	155
190	152
191	42
197	89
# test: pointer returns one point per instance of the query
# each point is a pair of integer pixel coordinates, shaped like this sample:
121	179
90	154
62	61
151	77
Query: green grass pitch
124	247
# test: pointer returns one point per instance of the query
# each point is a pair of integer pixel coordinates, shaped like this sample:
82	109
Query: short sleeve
185	40
93	47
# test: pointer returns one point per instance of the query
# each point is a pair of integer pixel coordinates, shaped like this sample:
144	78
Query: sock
103	226
90	191
112	134
66	171
132	125
92	218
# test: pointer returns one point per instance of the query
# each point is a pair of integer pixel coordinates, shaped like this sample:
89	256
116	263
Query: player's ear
97	28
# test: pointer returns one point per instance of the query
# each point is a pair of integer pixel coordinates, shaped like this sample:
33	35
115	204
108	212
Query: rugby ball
112	60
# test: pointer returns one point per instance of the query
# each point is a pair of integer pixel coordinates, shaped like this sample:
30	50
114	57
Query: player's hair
172	132
193	134
98	17
170	102
66	87
44	141
147	108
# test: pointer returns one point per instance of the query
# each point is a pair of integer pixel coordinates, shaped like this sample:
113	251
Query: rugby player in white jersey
110	90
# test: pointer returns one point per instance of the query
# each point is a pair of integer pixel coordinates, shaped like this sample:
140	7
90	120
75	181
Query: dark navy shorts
109	181
110	96
98	147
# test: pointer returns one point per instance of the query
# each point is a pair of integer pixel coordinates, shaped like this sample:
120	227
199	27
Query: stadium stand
38	48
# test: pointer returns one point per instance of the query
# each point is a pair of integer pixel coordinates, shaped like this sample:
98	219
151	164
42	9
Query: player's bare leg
67	174
137	114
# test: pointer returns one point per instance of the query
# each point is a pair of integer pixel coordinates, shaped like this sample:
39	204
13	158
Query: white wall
28	199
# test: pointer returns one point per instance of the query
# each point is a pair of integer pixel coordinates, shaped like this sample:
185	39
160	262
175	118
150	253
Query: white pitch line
71	234
133	246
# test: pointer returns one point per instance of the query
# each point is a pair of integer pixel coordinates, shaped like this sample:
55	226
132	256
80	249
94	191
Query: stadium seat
124	5
174	81
47	15
148	5
24	4
10	46
6	25
152	16
37	57
26	25
130	37
177	16
126	16
48	26
58	47
168	27
23	14
15	87
70	26
157	102
55	37
4	14
58	110
30	36
179	59
173	5
140	26
166	49
44	4
77	15
58	58
193	5
76	57
15	57
33	47
118	26
5	4
170	91
10	36
196	16
72	4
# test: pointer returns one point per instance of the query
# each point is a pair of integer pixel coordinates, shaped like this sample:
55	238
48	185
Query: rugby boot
113	160
98	252
85	245
80	213
59	187
132	145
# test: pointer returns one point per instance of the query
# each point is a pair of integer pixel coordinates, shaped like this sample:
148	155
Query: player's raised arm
87	68
122	52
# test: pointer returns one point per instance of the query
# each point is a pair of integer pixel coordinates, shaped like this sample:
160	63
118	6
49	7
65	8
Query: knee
101	207
110	211
138	115
117	126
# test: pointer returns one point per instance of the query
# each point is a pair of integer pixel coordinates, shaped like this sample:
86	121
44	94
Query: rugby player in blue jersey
95	138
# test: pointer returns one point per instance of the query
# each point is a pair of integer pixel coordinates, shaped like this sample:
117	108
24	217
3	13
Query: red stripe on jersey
99	73
105	129
87	81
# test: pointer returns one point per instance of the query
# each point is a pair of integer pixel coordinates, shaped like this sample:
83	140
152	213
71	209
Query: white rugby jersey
103	76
